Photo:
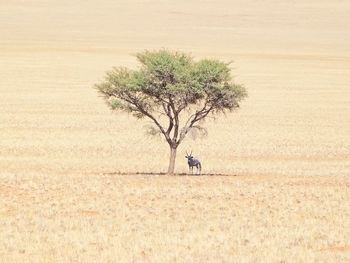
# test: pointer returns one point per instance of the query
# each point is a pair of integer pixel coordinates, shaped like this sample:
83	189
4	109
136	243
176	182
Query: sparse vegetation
85	218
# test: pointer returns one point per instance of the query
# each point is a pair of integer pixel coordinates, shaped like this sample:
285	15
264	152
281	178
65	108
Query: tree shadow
165	174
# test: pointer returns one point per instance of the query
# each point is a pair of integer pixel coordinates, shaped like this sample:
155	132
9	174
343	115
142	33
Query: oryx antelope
193	162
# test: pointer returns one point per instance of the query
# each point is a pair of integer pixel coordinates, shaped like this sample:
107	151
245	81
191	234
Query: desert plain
285	153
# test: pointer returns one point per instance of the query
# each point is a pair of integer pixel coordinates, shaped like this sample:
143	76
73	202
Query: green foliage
169	82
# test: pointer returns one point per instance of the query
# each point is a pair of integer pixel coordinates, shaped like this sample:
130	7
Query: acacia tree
175	92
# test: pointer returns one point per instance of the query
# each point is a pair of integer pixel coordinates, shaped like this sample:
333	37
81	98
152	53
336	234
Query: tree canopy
168	84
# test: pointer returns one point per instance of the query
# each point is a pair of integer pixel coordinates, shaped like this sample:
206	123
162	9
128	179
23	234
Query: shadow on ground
175	174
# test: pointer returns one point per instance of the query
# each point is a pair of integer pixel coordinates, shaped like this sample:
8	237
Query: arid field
93	218
286	151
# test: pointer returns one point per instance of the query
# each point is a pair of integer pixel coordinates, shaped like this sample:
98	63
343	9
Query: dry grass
292	123
59	142
174	219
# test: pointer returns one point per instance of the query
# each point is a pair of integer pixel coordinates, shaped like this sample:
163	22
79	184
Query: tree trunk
172	160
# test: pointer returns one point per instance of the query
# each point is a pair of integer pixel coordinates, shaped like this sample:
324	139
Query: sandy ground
91	218
58	140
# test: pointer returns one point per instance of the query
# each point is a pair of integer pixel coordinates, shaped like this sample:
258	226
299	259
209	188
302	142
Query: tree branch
198	116
176	118
166	108
135	102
